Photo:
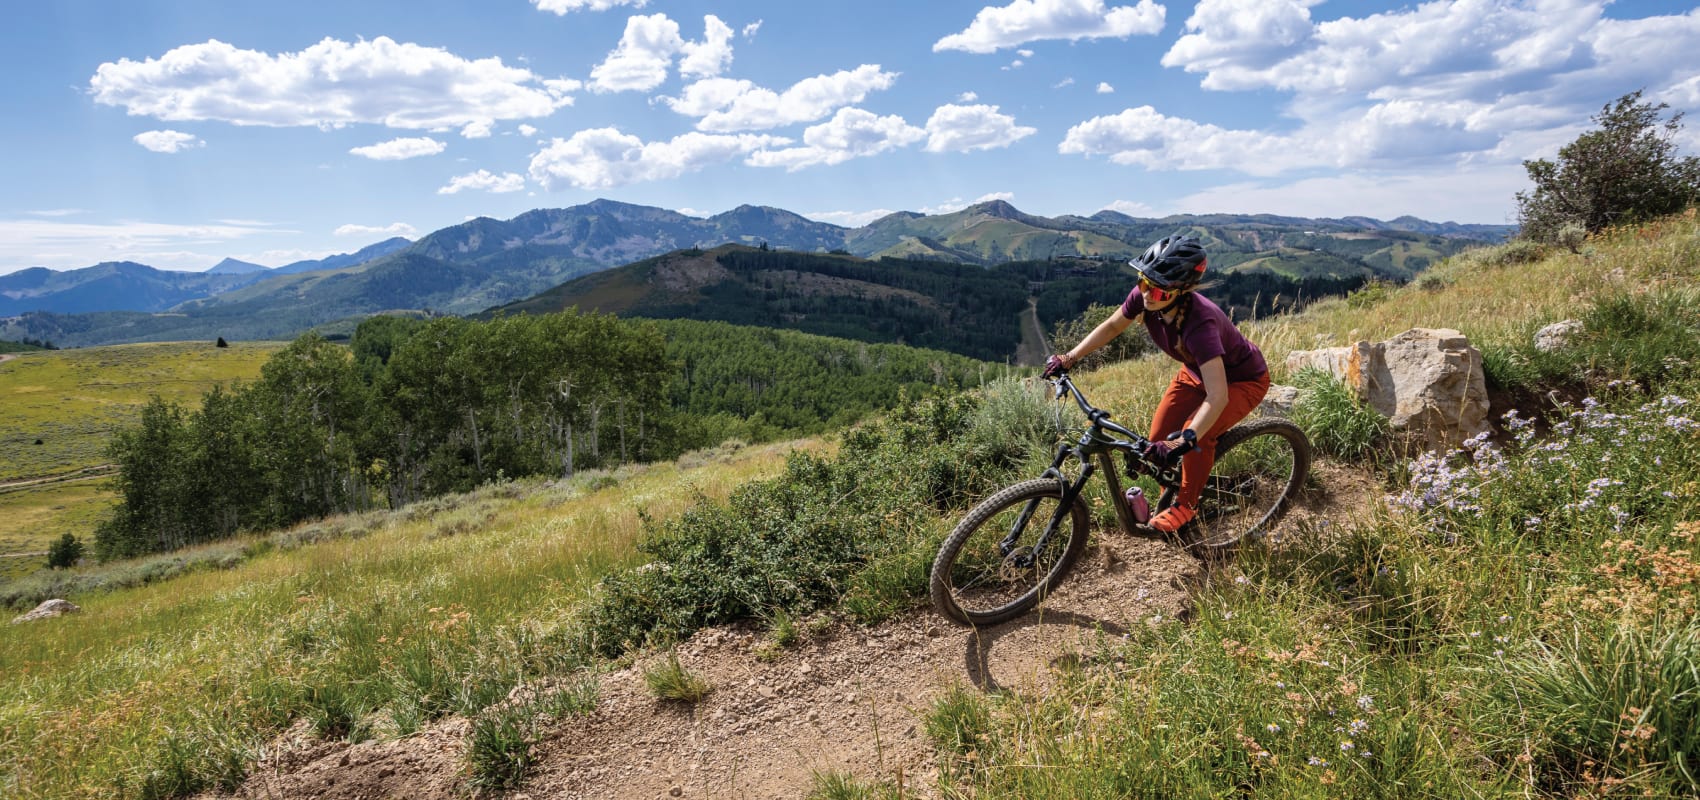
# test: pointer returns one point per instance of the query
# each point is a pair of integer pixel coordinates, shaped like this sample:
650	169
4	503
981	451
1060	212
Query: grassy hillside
1523	629
450	593
70	401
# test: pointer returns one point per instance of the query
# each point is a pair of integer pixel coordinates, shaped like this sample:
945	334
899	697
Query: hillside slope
1410	652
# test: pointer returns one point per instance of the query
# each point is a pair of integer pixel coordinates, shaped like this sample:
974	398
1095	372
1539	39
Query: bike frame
1094	450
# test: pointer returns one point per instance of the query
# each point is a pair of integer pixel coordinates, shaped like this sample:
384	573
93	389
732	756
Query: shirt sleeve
1134	305
1204	341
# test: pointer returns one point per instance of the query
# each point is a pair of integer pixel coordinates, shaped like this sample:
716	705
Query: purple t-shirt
1205	333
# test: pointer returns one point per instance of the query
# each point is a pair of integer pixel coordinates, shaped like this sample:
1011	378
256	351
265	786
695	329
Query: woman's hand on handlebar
1056	365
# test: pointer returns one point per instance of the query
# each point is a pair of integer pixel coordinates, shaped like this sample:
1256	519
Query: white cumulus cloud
1141	136
954	128
392	229
167	141
1023	21
641	60
726	105
603	158
1459	83
527	130
399	149
710	56
1105	88
851	133
484	180
562	7
956	204
329	85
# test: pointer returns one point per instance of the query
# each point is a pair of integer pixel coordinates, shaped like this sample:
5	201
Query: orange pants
1183	398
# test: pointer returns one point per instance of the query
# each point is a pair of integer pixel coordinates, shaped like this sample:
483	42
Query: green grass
669	680
397	624
71	401
30	520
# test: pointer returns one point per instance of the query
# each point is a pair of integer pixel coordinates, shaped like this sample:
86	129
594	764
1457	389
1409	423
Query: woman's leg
1243	396
1183	397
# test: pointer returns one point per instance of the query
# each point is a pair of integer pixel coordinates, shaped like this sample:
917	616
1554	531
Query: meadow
1517	620
58	409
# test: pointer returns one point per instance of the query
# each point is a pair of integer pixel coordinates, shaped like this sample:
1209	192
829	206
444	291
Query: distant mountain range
487	262
128	286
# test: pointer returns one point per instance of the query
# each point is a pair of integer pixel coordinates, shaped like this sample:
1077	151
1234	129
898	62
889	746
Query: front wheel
1008	553
1260	467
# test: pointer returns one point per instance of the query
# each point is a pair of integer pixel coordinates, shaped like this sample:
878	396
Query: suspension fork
1070	492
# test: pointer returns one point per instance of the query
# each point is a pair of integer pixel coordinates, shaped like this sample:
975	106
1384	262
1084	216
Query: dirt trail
1034	349
852	700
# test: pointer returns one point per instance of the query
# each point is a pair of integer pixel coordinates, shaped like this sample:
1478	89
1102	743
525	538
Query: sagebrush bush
859	524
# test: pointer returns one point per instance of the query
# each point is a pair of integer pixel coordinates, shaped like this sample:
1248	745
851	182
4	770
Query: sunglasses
1157	293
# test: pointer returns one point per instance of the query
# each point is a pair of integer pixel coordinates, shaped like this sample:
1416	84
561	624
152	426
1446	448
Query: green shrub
1370	294
65	552
857	523
1336	422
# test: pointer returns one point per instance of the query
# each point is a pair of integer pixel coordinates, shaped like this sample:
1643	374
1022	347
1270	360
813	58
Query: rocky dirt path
849	700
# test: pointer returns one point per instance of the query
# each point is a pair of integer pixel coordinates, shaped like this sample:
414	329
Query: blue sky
180	133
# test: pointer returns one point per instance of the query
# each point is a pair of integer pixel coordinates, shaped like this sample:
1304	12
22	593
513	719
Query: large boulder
1428	381
51	608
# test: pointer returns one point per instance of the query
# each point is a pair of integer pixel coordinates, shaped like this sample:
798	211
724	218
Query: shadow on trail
977	655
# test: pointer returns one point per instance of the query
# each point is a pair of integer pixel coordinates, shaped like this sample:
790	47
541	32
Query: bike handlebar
1101	419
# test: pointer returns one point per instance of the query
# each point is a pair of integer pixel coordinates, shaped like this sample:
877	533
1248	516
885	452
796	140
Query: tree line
415	408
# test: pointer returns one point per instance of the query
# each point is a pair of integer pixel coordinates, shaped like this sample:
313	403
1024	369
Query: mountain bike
1013	548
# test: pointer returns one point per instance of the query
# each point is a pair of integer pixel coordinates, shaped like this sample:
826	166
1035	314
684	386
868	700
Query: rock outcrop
51	608
1428	381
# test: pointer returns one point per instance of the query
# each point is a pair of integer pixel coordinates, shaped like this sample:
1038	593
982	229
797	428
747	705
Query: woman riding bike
1222	377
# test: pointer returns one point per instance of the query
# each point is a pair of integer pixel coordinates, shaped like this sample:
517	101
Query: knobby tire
974	583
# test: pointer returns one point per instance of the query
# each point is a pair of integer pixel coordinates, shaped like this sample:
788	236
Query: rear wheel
989	570
1260	467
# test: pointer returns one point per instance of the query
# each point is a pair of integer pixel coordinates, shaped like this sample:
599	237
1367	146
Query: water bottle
1137	503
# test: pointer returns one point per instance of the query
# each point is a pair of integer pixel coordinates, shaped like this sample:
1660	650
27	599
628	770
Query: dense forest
416	408
961	308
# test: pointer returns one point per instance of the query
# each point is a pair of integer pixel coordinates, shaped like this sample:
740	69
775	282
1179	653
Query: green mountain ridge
486	262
